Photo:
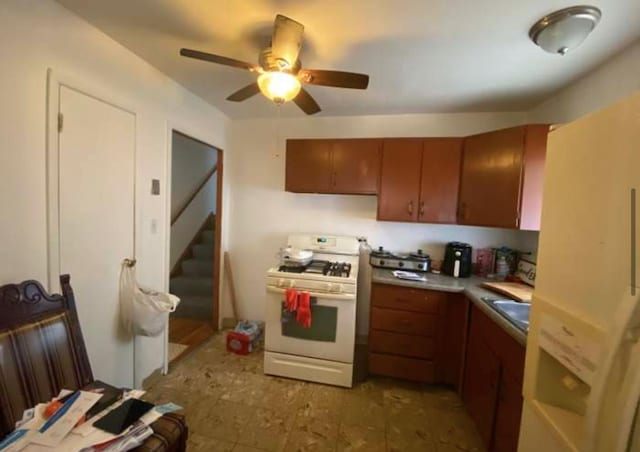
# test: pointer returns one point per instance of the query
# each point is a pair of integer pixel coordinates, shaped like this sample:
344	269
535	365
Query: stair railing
204	182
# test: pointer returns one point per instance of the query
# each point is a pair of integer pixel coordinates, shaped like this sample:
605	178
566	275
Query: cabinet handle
421	213
633	241
410	208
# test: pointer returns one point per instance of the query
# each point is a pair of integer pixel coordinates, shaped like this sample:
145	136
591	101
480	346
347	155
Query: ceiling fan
280	72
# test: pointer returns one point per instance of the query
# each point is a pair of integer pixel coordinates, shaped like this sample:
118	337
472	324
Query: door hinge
60	122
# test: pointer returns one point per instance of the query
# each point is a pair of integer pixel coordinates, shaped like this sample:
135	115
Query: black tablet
120	418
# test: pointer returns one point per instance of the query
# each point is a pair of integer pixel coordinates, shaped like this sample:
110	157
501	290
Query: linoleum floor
231	406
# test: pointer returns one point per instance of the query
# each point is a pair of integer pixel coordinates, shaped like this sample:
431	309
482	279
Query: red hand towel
291	300
304	310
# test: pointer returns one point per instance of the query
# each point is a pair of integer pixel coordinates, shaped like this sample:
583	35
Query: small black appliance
457	260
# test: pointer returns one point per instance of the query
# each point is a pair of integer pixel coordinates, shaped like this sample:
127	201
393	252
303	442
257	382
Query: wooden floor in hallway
188	334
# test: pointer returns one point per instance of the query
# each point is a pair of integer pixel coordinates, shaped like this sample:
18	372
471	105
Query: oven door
332	332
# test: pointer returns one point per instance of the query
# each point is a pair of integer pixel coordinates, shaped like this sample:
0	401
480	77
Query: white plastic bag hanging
144	312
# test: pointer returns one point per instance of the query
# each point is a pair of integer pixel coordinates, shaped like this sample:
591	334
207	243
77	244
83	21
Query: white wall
40	34
264	214
616	78
191	161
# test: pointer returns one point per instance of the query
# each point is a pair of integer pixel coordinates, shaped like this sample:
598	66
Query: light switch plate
155	186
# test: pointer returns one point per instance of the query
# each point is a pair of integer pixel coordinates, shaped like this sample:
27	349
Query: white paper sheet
54	435
83	436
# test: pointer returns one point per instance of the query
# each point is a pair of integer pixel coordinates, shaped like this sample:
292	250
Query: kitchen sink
516	312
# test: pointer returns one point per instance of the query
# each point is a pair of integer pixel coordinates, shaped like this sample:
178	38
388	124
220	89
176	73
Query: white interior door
96	223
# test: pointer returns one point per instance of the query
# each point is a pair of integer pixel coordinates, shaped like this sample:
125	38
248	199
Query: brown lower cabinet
492	389
417	334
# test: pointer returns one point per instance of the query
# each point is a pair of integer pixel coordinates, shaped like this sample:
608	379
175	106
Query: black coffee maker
457	260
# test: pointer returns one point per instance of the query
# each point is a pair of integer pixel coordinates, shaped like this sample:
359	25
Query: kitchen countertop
469	286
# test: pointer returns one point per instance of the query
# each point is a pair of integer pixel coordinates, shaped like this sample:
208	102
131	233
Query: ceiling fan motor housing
271	64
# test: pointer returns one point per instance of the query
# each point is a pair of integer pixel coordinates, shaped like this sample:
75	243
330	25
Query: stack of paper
59	432
400	274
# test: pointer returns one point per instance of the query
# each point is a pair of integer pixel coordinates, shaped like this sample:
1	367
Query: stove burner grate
318	267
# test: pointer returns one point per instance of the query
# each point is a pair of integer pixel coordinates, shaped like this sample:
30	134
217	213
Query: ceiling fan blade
306	102
337	79
217	59
286	41
244	93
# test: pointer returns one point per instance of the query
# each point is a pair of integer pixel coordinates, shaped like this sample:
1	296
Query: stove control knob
381	249
400	264
381	263
286	283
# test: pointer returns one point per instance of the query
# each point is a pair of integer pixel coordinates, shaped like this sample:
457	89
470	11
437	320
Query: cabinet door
452	350
481	379
440	180
407	298
400	179
508	414
404	322
535	153
308	166
356	166
402	344
402	367
491	178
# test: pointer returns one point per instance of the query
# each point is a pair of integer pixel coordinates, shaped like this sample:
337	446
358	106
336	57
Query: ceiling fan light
565	29
280	87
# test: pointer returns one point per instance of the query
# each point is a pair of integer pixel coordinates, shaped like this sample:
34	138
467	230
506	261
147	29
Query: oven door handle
324	295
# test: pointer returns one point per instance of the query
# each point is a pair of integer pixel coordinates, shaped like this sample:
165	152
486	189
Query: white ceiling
422	55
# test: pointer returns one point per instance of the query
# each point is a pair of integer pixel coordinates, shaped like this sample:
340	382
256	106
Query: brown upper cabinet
350	166
419	180
501	178
492	179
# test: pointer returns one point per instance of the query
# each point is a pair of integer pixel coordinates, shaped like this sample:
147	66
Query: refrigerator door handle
633	242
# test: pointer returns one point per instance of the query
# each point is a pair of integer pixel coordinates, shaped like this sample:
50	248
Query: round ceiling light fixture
280	87
565	29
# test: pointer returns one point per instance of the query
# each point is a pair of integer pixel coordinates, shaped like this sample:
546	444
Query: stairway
193	283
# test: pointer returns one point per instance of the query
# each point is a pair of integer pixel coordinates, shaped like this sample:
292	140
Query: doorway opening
196	194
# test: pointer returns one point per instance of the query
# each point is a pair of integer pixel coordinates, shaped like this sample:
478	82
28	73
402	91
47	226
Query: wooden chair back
41	348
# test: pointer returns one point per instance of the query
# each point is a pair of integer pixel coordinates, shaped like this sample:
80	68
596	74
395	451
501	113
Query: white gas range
324	351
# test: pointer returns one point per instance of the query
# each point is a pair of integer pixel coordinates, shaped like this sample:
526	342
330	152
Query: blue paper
167	408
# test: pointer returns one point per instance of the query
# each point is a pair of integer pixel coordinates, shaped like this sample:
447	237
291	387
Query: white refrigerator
582	371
